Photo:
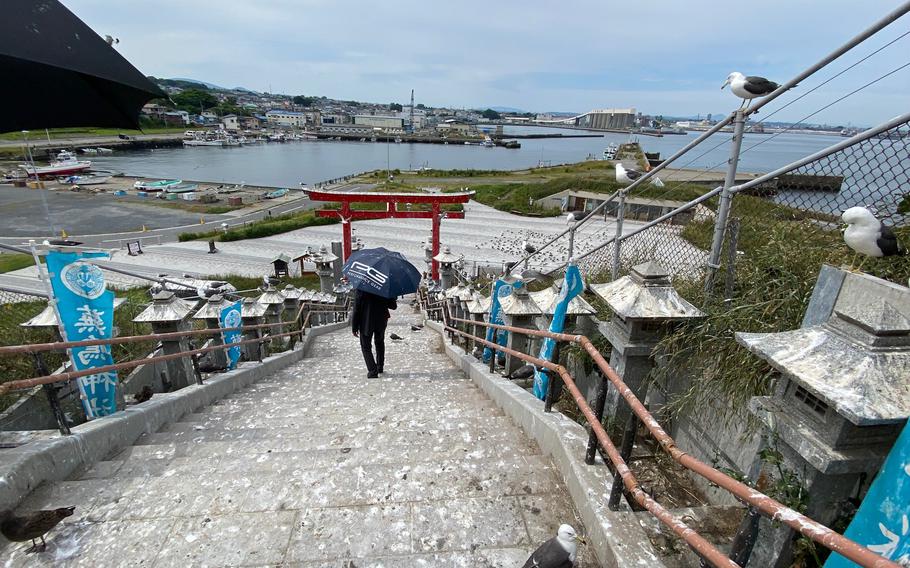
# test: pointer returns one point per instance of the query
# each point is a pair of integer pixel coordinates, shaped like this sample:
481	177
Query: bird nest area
781	250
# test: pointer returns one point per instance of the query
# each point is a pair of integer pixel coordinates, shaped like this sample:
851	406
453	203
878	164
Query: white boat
89	150
64	163
610	152
104	150
487	142
181	188
232	142
158	185
86	180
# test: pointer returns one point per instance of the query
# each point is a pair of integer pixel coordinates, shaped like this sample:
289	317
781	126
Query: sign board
230	317
882	523
572	285
501	289
134	248
86	310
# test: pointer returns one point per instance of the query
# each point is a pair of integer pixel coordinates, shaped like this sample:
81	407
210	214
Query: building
608	118
231	122
250	123
176	117
296	119
454	127
154	110
349	129
638	208
376	121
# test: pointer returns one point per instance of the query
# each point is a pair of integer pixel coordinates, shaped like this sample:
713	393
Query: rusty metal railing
766	505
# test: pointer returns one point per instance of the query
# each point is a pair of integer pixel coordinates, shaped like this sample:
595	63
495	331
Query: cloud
666	57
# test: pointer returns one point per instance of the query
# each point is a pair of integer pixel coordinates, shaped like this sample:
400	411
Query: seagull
111	40
575	217
416	327
395	337
32	525
750	87
558	552
529	248
867	236
627	176
522	373
531	275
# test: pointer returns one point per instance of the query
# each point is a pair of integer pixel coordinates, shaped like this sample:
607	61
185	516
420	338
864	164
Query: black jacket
371	312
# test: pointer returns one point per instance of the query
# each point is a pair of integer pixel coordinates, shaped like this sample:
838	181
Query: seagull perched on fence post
750	87
868	236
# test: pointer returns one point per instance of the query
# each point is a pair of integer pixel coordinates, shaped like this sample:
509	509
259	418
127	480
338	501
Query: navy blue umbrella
382	272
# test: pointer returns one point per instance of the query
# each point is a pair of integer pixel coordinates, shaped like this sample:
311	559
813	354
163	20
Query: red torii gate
392	200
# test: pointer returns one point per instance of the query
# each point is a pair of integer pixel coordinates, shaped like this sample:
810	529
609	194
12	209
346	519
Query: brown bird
32	525
143	395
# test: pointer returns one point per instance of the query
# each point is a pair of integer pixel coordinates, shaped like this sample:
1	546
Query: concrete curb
26	467
616	536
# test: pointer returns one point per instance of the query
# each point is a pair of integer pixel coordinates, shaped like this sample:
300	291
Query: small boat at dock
90	150
86	180
181	188
276	194
104	150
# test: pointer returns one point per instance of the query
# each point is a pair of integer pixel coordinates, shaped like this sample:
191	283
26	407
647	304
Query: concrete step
190	493
204	423
295	439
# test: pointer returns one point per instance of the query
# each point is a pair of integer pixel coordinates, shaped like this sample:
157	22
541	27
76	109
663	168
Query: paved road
91	141
318	466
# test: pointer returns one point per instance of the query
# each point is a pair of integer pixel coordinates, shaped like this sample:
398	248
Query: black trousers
367	339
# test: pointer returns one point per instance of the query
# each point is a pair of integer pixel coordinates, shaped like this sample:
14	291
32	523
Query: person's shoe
380	370
372	376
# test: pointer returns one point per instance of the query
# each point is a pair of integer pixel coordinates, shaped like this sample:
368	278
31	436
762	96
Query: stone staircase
320	467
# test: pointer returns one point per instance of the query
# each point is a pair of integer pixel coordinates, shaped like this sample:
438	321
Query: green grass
262	228
15	261
62	133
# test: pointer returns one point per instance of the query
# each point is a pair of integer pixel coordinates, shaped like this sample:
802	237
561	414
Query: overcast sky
668	57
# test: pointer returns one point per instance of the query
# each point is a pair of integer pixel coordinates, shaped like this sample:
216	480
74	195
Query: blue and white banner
572	285
86	309
501	289
230	317
882	523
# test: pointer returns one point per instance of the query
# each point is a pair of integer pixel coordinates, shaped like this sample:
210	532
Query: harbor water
292	163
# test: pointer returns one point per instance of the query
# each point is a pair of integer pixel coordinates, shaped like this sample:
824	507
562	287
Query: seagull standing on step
867	236
528	247
573	217
748	88
558	552
626	176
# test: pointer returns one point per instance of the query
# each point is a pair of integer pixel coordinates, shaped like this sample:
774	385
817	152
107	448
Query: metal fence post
723	210
730	280
617	242
51	392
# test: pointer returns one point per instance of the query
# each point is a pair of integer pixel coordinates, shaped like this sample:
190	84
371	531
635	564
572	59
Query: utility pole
412	111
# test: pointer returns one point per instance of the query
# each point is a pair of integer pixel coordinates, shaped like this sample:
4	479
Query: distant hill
510	110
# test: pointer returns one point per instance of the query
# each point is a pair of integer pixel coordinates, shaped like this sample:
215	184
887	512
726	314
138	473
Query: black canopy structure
57	72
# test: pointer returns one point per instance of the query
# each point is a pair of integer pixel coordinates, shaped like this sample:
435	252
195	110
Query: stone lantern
578	310
477	308
325	269
273	300
210	313
462	298
252	313
519	310
645	307
451	299
428	256
842	395
446	262
167	313
291	300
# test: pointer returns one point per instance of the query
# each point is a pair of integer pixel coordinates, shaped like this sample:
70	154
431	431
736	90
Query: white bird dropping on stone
750	87
868	236
626	176
558	552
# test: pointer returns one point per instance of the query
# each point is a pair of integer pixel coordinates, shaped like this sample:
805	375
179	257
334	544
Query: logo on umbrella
365	271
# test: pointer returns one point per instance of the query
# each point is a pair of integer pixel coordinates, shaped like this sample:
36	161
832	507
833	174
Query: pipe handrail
62	345
70	375
763	503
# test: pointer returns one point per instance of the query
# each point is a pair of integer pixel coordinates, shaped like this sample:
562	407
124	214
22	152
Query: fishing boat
181	188
90	150
104	150
64	163
487	142
86	180
159	185
276	194
610	152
